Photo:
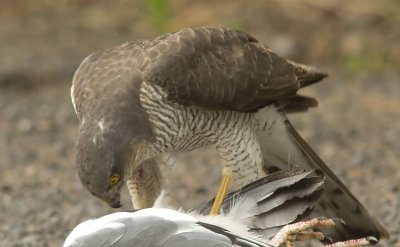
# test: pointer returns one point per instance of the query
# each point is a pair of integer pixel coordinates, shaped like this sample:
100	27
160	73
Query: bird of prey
189	89
253	217
178	92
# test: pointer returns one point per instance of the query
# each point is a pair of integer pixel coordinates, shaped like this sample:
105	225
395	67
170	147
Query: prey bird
257	215
184	90
267	212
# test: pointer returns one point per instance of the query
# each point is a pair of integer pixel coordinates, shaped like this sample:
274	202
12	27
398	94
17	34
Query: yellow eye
114	179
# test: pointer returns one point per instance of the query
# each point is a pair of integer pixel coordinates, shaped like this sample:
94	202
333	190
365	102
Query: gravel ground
355	130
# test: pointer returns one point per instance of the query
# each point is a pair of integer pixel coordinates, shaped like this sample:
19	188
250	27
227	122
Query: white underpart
268	118
278	143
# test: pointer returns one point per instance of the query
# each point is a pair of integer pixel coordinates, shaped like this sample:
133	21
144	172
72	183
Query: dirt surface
356	129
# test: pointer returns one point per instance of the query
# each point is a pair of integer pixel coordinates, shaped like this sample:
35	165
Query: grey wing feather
305	188
289	212
207	235
282	198
285	146
263	189
223	68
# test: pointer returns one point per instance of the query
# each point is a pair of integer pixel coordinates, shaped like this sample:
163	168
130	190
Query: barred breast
184	128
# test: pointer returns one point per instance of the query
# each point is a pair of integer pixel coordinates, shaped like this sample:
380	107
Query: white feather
128	229
267	119
162	201
237	220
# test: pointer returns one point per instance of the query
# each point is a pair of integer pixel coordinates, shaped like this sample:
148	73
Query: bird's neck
138	152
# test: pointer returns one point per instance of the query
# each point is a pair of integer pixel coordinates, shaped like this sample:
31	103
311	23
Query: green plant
159	14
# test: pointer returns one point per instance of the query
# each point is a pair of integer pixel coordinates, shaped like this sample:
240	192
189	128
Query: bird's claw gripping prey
303	231
297	231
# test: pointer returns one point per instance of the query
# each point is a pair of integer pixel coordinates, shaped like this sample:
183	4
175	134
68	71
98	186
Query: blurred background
356	130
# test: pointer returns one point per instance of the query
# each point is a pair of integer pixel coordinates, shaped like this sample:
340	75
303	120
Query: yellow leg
223	187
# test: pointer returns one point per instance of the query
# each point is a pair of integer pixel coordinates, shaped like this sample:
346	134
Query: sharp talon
300	231
339	220
329	239
372	240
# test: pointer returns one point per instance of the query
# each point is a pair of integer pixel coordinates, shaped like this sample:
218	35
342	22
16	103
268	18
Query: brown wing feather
222	68
209	67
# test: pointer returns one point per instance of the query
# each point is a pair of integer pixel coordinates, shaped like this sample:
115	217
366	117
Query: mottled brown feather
222	68
107	85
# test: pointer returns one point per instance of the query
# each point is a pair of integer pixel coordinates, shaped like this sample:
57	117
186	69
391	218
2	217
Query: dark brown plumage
224	69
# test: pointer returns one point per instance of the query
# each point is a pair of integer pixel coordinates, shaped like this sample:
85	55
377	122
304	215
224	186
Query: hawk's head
113	124
100	160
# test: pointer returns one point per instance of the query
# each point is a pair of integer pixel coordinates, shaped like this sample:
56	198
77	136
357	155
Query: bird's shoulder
112	73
